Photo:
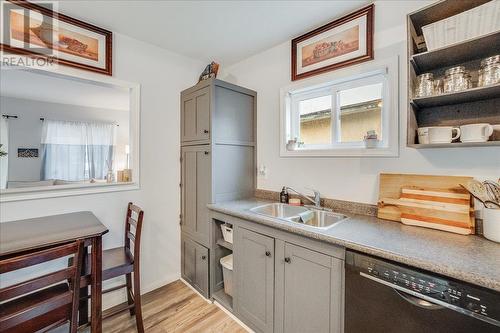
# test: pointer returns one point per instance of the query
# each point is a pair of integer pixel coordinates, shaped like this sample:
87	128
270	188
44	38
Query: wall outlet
262	171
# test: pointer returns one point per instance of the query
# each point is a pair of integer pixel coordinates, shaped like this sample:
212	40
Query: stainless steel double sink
314	217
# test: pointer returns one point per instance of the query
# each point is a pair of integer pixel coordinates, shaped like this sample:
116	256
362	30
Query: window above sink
331	115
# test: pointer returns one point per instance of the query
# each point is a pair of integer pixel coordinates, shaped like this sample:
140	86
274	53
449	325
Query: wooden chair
124	261
44	302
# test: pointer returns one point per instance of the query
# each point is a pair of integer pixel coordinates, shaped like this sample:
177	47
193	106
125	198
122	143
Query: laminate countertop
472	259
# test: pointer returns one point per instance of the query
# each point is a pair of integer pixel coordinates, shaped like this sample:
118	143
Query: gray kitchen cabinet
254	279
282	282
218	112
233	119
194	264
308	290
217	138
195	115
233	172
195	191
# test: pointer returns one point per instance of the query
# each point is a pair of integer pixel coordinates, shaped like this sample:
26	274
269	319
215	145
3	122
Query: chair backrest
36	308
133	227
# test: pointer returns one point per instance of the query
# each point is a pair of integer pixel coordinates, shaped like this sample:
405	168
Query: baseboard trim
220	306
233	317
209	301
117	301
158	285
196	291
114	307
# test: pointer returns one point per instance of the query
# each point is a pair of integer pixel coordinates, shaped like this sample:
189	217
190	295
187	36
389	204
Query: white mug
423	135
491	224
443	134
475	132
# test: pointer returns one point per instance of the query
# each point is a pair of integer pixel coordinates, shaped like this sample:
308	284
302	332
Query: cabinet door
194	265
254	276
196	192
188	255
201	269
195	116
309	291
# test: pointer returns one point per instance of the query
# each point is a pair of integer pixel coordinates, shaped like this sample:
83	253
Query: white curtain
76	151
4	160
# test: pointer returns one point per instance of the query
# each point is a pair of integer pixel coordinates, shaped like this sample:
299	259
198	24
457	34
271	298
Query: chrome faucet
317	196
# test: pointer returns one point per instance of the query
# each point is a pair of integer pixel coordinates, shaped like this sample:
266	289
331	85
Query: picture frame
42	33
343	42
27	152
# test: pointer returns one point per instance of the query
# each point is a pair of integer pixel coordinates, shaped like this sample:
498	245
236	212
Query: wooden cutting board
437	202
435	208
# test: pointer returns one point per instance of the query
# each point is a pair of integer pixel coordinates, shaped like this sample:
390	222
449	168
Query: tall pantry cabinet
218	140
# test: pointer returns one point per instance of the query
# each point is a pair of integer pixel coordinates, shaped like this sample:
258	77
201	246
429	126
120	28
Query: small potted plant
2	153
371	139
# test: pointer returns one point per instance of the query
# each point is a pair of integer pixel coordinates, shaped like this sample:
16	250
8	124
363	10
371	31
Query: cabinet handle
207	152
268	253
288	260
203	257
205	131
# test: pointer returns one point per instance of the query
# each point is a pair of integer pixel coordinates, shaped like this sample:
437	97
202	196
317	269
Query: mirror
60	131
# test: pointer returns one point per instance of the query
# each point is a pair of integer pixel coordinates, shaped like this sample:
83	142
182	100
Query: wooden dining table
22	237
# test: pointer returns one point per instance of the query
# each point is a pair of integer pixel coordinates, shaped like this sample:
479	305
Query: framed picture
27	152
40	32
343	42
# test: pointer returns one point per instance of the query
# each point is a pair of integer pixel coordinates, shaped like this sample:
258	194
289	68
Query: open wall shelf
477	48
224	299
469	95
475	105
224	244
441	10
455	145
220	249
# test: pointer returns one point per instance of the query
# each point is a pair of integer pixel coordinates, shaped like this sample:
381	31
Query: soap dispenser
284	195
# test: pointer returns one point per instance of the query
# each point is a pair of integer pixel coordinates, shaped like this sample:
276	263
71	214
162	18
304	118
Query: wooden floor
175	308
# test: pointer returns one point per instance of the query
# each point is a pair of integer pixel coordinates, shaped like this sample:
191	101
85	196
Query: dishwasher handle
421	303
410	296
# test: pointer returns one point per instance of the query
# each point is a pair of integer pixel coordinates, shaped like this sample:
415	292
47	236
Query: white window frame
385	72
43	192
295	100
355	83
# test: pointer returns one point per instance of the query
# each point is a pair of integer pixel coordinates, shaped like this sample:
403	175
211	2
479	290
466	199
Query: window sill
340	152
56	191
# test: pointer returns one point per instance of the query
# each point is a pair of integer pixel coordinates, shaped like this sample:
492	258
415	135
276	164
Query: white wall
26	130
162	76
4	142
354	179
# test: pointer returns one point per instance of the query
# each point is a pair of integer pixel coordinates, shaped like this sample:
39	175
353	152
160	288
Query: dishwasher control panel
459	296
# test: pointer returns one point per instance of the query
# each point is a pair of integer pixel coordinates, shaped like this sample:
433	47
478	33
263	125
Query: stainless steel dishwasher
382	296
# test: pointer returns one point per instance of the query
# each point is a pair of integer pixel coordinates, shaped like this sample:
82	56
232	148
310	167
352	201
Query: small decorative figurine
210	71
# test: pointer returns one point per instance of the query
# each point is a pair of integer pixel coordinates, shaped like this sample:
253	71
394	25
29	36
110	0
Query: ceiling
41	87
224	31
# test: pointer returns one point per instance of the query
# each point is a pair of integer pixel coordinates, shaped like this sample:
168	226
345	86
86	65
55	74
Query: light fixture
127	152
